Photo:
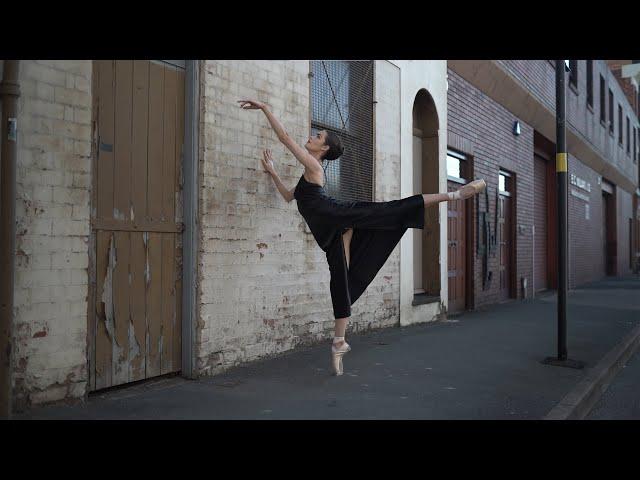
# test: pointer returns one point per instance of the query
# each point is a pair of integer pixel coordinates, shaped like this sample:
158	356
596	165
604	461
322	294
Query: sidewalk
482	365
621	401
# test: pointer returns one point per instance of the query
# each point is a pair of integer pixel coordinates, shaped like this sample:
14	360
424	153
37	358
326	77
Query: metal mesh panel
342	102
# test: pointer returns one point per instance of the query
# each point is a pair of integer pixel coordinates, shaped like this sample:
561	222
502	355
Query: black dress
377	229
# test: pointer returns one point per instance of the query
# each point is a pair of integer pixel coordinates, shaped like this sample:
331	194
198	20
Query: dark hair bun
335	146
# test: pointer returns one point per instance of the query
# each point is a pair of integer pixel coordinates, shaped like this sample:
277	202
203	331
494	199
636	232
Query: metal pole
563	247
9	93
561	176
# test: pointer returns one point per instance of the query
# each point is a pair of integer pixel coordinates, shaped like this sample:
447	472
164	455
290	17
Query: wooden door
505	245
456	251
540	222
136	221
609	228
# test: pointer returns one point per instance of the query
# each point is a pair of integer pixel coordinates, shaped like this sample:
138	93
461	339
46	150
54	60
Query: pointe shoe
472	188
336	357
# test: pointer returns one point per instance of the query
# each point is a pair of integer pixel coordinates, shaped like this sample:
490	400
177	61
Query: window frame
603	102
508	182
590	85
628	136
620	126
573	75
463	163
355	136
612	120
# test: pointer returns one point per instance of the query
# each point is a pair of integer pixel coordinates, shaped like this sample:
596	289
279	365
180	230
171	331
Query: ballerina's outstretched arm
304	157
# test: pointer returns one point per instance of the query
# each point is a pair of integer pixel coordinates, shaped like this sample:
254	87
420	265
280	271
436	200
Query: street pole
561	177
563	247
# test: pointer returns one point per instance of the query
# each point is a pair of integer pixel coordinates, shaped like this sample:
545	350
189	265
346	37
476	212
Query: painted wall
414	76
263	280
52	232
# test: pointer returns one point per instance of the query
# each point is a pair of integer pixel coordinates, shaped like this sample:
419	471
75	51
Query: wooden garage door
136	220
540	222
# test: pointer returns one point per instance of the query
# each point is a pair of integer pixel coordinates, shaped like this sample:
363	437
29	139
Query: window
573	73
603	103
611	123
456	166
628	136
590	83
342	102
620	127
505	183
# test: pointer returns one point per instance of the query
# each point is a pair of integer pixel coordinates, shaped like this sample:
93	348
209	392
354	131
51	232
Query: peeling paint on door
140	113
107	290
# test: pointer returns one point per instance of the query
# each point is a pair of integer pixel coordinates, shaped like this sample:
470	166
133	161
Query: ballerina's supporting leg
341	323
380	244
339	286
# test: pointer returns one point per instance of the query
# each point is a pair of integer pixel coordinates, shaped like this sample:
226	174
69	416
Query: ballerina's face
316	143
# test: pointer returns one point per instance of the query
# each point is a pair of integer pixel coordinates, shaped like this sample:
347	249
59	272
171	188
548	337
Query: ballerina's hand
267	162
251	105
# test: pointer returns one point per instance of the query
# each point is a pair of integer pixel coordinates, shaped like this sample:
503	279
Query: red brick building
501	124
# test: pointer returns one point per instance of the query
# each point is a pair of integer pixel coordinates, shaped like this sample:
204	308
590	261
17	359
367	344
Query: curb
577	404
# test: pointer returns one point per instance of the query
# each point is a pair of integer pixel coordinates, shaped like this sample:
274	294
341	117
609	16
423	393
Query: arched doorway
426	243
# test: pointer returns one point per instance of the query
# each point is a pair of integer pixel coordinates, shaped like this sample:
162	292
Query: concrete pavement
484	364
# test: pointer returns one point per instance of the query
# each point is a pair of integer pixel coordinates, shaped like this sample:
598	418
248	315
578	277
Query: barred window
573	73
611	113
620	124
603	105
590	83
342	102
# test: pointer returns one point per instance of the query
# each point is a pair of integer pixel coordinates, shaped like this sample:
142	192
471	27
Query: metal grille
342	102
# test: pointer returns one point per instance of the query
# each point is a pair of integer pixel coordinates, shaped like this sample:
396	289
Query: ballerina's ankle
454	195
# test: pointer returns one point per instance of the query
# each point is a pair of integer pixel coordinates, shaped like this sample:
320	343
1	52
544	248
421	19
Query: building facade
502	124
149	241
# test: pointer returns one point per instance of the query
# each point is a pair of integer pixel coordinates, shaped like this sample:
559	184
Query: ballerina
356	236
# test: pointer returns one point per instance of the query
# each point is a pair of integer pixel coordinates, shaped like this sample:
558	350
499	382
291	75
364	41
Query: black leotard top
328	217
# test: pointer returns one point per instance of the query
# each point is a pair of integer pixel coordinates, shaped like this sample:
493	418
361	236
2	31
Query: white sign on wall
580	183
587	214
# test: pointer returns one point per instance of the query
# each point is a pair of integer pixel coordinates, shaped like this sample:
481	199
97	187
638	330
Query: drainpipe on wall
9	93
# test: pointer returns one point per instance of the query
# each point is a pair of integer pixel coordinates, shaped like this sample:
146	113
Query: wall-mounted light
516	128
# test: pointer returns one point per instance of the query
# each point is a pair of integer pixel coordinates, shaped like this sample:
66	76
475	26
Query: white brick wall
264	282
263	285
52	211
